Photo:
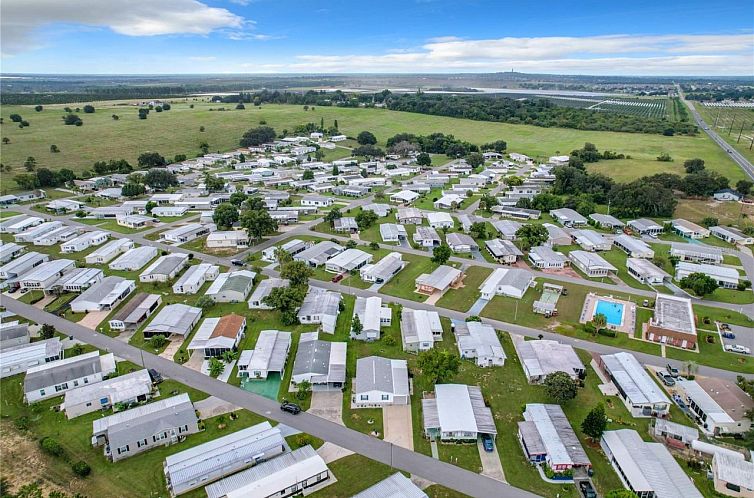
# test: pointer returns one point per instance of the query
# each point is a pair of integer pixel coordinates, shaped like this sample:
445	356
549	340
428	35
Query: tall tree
560	387
151	160
595	423
298	272
438	366
366	138
258	136
225	215
258	223
441	254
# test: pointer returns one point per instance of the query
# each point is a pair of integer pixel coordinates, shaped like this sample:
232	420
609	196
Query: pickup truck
737	348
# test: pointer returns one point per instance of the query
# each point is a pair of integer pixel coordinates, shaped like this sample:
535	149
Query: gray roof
375	373
687	433
395	486
10	332
174	319
221	456
135	308
674	313
649	466
426	233
441	278
557	435
458	407
542	357
270	351
697	250
626	371
480	337
606	219
104	290
319	301
320	252
345	223
58	372
312	357
146	420
275	466
265	287
457	239
500	248
165	265
734	470
121	388
386	267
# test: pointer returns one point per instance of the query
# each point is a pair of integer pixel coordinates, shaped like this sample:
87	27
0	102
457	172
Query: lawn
133	477
177	132
727	213
462	299
727	123
403	284
707	313
713	355
618	259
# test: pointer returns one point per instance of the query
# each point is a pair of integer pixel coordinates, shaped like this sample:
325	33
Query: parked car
587	490
728	335
666	378
236	262
337	278
724	326
737	348
291	408
672	371
487	442
155	375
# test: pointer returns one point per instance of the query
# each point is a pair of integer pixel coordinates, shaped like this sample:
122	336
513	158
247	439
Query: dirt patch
20	454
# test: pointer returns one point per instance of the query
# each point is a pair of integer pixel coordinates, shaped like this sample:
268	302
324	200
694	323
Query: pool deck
628	323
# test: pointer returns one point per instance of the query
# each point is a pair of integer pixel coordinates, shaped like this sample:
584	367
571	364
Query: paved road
448	475
736	156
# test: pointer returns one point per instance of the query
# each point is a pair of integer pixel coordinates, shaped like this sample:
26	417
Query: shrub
606	332
158	341
22	423
81	468
389	340
303	439
51	447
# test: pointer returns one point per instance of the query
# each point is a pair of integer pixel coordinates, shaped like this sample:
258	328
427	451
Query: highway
446	474
736	156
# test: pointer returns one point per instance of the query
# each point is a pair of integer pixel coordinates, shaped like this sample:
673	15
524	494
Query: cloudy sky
640	37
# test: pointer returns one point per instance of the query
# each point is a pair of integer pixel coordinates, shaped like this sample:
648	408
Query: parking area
328	405
398	425
744	336
491	465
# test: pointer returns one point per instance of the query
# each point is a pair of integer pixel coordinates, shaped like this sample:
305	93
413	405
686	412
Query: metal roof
461	408
174	319
195	274
270	351
24	353
265	287
320	252
543	357
395	486
737	471
106	291
58	372
626	371
674	313
633	245
134	258
349	259
696	250
556	434
221	456
591	260
419	325
165	265
506	277
117	389
648	466
134	309
48	269
481	338
270	477
441	278
368	309
384	268
319	301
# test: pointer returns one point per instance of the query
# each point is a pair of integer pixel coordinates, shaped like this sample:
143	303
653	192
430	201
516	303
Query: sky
637	37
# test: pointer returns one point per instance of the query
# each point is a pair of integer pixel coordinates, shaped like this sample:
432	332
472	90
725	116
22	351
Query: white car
737	348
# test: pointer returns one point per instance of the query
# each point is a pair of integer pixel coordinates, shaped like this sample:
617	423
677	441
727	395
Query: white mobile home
134	259
55	378
109	251
380	382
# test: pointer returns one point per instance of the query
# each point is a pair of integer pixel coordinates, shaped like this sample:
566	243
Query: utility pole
731	125
740	132
716	117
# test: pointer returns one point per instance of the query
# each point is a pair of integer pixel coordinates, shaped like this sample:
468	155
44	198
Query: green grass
618	259
727	123
404	283
177	132
462	299
134	477
732	296
720	315
7	214
727	213
354	474
712	354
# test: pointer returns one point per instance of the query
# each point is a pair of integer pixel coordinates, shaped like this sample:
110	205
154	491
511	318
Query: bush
51	447
22	423
158	341
81	468
389	340
303	439
606	332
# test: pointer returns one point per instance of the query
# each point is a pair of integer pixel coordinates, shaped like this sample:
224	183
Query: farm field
178	132
725	117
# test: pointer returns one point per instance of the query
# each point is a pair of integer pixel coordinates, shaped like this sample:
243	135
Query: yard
403	284
462	299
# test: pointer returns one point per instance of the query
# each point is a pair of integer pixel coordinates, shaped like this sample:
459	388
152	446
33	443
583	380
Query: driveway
172	348
92	319
328	405
491	466
478	306
212	407
398	425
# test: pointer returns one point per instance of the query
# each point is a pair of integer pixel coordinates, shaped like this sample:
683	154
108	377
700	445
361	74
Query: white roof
350	258
633	379
674	313
454	408
441	278
705	402
434	217
734	470
591	260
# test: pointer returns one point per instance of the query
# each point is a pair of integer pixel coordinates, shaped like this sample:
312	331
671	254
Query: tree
179	158
258	136
143	113
356	326
620	493
225	215
690	367
157	341
441	254
38	108
51	446
599	320
47	331
514	181
298	272
475	159
693	165
366	219
160	179
332	215
54	149
240	106
30	164
26	181
81	468
88	109
72	119
439	366
478	229
595	423
498	146
258	223
302	389
237	198
308	175
213	183
366	138
424	159
335	170
665	158
216	367
700	284
150	206
368	151
710	221
151	160
166	107
404	148
204	147
286	300
532	235
744	187
133	189
6	140
115	117
487	202
16	118
560	387
205	302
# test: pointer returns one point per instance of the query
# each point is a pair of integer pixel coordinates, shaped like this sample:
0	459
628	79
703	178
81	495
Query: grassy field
462	299
727	213
727	123
177	132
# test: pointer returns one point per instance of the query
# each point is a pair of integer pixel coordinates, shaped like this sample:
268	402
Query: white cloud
22	18
614	54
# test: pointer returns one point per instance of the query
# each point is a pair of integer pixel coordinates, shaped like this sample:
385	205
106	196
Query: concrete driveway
491	466
328	405
398	425
212	407
94	318
172	348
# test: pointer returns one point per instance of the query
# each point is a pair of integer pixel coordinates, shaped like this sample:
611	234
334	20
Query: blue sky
282	36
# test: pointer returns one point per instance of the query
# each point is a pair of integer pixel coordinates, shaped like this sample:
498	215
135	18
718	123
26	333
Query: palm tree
599	321
690	367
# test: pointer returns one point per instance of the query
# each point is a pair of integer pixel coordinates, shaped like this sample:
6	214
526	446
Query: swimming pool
612	311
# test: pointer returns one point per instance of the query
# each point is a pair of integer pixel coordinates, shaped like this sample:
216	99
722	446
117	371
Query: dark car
666	378
587	490
291	408
729	335
155	375
337	278
236	262
487	442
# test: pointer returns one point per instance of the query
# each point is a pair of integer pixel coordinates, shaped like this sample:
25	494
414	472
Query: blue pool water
613	311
